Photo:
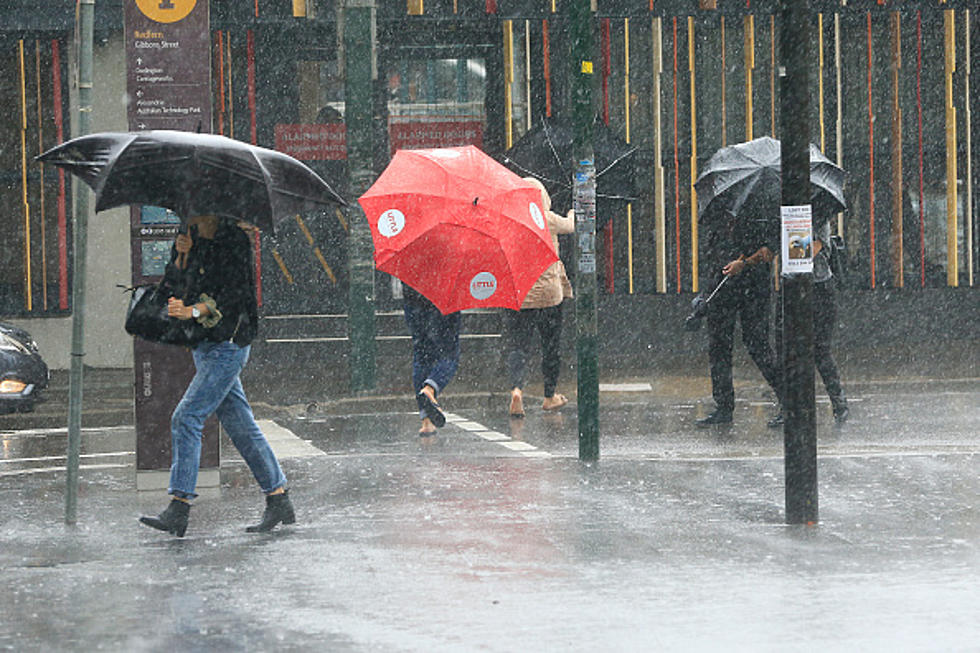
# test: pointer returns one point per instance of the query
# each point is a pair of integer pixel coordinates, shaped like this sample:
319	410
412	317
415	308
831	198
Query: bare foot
554	402
516	403
428	428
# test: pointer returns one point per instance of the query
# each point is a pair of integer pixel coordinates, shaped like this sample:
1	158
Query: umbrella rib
620	158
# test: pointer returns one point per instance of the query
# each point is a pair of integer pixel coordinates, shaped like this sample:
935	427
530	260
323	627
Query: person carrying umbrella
740	252
435	355
213	263
541	311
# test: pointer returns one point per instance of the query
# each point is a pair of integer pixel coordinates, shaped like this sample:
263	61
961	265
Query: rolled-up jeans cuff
182	495
435	386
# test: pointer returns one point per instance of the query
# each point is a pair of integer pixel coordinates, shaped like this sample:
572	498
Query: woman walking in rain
541	311
214	263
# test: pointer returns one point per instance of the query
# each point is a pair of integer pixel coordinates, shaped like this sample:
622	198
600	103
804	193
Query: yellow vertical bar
968	173
416	7
299	8
508	27
952	258
694	155
626	111
659	207
23	178
748	39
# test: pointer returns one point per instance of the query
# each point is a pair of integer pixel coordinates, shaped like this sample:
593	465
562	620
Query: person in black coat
212	267
738	249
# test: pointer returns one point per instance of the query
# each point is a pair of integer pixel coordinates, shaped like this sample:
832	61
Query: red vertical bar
871	160
59	125
251	110
546	48
256	8
491	6
677	173
918	102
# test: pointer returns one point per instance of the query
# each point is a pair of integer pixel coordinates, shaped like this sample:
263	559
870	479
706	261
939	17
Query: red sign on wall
436	133
311	142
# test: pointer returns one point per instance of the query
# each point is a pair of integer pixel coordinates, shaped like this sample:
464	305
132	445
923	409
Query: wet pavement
493	536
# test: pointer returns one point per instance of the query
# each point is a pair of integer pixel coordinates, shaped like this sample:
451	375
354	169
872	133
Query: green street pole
360	72
800	428
583	187
86	24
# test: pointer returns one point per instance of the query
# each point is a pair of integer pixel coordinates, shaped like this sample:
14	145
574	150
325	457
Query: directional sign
168	65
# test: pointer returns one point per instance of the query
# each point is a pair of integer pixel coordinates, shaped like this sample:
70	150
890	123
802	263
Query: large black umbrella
545	152
193	174
744	181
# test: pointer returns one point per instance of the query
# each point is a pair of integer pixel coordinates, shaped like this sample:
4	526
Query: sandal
559	398
516	405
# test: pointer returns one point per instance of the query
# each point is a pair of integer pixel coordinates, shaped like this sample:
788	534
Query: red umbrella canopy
458	227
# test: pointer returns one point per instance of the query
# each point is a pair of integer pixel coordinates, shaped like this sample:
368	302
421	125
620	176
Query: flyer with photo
797	239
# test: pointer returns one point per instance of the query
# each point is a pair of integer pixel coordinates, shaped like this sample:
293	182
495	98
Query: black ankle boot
173	519
841	411
278	509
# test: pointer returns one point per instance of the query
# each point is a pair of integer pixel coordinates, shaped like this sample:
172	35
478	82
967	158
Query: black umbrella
545	152
744	181
193	174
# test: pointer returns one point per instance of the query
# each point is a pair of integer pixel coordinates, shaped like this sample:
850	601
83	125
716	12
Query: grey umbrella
744	181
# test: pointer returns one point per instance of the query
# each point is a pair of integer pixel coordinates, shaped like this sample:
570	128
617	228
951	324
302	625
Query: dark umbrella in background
193	174
744	181
545	152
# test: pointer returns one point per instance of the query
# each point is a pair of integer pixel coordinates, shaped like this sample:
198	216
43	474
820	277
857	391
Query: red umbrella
458	227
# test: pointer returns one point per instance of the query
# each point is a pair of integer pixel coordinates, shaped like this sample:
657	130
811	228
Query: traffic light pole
584	195
799	430
360	73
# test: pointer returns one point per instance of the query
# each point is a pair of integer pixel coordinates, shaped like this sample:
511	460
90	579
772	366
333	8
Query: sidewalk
493	536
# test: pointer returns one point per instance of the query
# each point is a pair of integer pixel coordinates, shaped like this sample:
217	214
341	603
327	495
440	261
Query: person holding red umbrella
435	355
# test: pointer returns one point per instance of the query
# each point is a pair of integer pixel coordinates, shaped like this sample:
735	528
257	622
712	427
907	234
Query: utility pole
86	30
583	188
360	73
800	429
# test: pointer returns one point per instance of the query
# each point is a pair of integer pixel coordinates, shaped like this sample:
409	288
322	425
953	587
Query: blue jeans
435	346
216	388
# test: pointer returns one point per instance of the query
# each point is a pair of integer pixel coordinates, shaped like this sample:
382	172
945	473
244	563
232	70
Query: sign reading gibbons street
168	69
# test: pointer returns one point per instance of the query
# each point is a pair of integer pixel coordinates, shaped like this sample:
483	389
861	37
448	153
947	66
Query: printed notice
797	239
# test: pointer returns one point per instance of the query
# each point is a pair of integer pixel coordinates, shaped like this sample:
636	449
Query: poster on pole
797	239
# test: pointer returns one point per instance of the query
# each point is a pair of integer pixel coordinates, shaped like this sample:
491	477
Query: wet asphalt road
492	536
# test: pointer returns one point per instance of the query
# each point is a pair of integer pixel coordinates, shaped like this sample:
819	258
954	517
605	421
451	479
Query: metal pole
360	72
583	184
799	431
86	19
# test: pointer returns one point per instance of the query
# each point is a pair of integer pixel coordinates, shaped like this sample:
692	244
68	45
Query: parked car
23	373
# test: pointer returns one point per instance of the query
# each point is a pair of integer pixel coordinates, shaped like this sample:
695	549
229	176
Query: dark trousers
824	324
746	299
435	346
520	327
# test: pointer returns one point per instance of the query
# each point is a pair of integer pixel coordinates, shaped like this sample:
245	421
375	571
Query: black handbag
147	318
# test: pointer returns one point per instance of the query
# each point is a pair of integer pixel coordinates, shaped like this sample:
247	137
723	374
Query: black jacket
222	269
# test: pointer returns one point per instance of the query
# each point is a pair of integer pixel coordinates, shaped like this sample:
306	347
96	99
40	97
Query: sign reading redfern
329	142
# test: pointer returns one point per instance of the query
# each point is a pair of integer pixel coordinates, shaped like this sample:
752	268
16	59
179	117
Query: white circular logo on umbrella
391	223
483	285
536	215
